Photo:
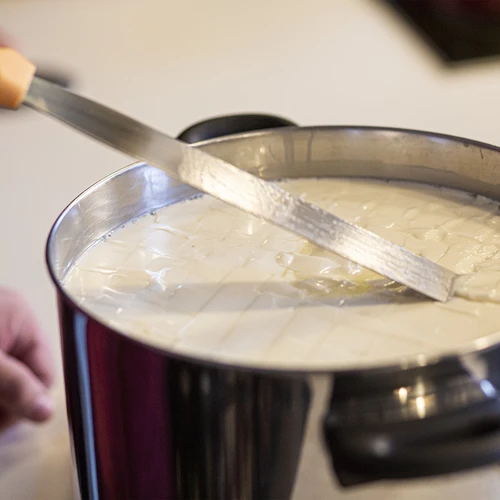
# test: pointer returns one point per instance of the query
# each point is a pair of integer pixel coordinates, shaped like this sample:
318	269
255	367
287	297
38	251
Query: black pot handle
419	448
231	124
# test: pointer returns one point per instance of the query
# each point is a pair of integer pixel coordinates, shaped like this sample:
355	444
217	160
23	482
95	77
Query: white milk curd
201	277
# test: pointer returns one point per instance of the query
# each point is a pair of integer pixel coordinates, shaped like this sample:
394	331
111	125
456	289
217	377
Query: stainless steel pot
151	424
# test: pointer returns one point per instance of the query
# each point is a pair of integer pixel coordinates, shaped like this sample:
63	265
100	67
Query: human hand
26	368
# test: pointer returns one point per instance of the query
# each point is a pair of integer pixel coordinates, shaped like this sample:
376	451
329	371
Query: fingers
7	420
22	394
22	337
26	368
38	357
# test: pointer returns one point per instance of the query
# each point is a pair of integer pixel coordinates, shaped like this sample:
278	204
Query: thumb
22	394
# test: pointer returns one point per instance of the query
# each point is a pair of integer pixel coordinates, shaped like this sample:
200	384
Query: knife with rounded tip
234	186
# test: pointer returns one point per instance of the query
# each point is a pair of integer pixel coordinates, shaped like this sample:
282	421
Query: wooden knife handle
16	74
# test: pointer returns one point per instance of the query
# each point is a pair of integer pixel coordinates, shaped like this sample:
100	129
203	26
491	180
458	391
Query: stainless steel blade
242	190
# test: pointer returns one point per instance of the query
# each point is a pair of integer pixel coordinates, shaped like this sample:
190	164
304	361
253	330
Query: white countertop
173	63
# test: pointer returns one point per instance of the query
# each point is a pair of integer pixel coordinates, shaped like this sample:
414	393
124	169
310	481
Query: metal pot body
149	423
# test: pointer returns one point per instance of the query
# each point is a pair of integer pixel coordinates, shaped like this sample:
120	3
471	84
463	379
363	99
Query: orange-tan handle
16	74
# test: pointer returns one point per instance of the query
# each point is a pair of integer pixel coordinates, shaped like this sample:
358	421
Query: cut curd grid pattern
200	277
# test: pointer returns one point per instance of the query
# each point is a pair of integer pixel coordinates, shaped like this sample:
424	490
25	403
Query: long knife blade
242	190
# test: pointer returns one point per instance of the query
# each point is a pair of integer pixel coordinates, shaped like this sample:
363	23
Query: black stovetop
458	30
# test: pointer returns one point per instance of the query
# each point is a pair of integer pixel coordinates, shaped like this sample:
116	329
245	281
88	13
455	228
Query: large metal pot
147	423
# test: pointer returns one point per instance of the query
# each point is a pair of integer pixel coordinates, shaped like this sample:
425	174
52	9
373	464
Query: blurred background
422	64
